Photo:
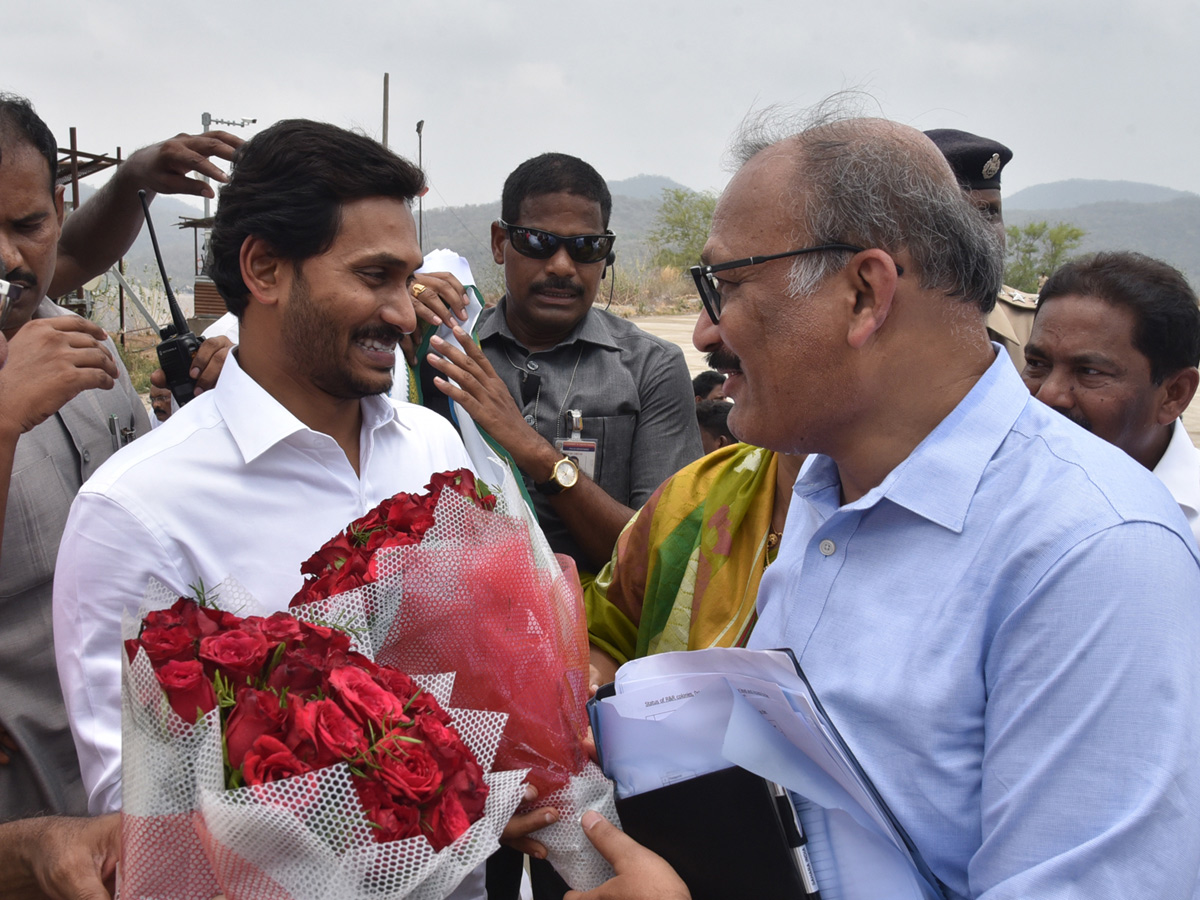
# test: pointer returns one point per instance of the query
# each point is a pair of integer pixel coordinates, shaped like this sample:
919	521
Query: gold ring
418	290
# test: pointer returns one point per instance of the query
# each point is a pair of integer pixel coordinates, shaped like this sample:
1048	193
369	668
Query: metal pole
421	199
385	108
75	187
120	289
205	120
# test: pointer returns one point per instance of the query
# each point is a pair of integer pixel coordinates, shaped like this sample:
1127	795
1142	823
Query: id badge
582	453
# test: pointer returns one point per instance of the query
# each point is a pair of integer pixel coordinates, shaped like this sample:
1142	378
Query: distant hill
177	245
1168	230
643	187
1080	192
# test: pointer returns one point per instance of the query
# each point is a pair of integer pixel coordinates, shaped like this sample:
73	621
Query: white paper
679	715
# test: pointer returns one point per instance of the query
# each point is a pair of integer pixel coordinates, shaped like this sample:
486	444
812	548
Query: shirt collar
257	421
592	328
1179	468
938	480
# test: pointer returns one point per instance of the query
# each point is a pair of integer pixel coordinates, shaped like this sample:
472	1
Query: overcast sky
1076	89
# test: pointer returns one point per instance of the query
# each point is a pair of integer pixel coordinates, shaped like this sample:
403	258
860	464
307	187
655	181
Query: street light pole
206	119
421	199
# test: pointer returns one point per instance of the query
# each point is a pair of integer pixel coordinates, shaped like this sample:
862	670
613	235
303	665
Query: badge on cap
992	166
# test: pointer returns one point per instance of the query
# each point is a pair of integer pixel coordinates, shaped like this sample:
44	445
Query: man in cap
978	163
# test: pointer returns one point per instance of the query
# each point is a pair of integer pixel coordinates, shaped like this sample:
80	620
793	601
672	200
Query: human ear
262	271
499	236
1178	390
59	210
872	275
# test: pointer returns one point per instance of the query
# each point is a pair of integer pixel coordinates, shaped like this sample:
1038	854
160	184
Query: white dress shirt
1179	470
232	485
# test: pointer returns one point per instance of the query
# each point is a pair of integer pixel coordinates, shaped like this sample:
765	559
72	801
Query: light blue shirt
1007	633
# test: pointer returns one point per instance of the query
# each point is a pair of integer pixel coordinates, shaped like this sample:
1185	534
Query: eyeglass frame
562	239
9	294
706	284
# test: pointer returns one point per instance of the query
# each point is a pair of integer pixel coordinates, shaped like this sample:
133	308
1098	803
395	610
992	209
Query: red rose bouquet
458	579
268	756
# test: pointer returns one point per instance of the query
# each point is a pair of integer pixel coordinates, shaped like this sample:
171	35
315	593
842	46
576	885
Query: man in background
1114	348
709	385
66	404
592	409
978	163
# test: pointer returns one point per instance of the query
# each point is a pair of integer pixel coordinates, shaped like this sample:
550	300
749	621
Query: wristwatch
564	475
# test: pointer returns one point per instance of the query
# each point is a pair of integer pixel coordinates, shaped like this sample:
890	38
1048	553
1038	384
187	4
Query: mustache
723	360
558	285
27	278
379	333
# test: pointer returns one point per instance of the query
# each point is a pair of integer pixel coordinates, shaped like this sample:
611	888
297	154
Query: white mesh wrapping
186	837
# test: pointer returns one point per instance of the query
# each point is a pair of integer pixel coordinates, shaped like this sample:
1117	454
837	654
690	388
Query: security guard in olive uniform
977	163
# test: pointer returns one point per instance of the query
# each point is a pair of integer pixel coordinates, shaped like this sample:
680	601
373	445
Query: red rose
410	514
398	683
466	782
168	642
299	671
406	768
269	760
188	689
393	821
365	701
331	556
238	655
280	628
445	820
321	734
323	640
256	713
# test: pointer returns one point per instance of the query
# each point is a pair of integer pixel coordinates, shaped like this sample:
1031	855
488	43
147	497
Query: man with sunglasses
998	609
595	412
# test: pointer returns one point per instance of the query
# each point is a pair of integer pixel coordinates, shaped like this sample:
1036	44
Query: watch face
566	472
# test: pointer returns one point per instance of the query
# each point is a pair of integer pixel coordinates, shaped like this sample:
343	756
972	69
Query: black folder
726	833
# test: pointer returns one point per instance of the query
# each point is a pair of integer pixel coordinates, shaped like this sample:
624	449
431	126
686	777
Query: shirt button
530	420
87	456
827	547
531	366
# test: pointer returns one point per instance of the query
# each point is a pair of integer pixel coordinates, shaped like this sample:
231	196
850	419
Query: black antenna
180	325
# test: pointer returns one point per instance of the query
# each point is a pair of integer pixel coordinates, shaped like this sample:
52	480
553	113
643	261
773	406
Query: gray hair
857	183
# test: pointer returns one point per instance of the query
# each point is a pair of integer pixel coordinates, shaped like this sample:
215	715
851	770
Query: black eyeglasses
538	244
706	282
9	294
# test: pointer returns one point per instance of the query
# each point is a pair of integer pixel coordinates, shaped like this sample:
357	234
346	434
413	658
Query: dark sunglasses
538	244
710	292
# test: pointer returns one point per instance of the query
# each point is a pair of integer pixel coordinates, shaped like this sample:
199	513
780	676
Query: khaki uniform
1011	322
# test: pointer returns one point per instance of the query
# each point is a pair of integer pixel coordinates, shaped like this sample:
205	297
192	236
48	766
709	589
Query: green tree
1038	249
681	227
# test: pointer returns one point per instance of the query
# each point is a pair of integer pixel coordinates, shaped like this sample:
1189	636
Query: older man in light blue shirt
1000	612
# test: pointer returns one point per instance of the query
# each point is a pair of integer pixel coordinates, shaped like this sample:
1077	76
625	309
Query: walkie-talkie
179	343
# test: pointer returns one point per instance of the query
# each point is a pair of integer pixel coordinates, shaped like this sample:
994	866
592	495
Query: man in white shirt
314	250
1114	348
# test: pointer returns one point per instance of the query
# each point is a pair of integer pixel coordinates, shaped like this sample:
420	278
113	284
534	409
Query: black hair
713	416
20	124
703	383
553	173
1164	305
287	186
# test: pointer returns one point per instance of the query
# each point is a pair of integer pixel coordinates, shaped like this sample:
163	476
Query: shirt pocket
38	504
614	453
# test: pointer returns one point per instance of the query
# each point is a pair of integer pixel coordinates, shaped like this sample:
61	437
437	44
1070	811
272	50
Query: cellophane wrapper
484	595
185	837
